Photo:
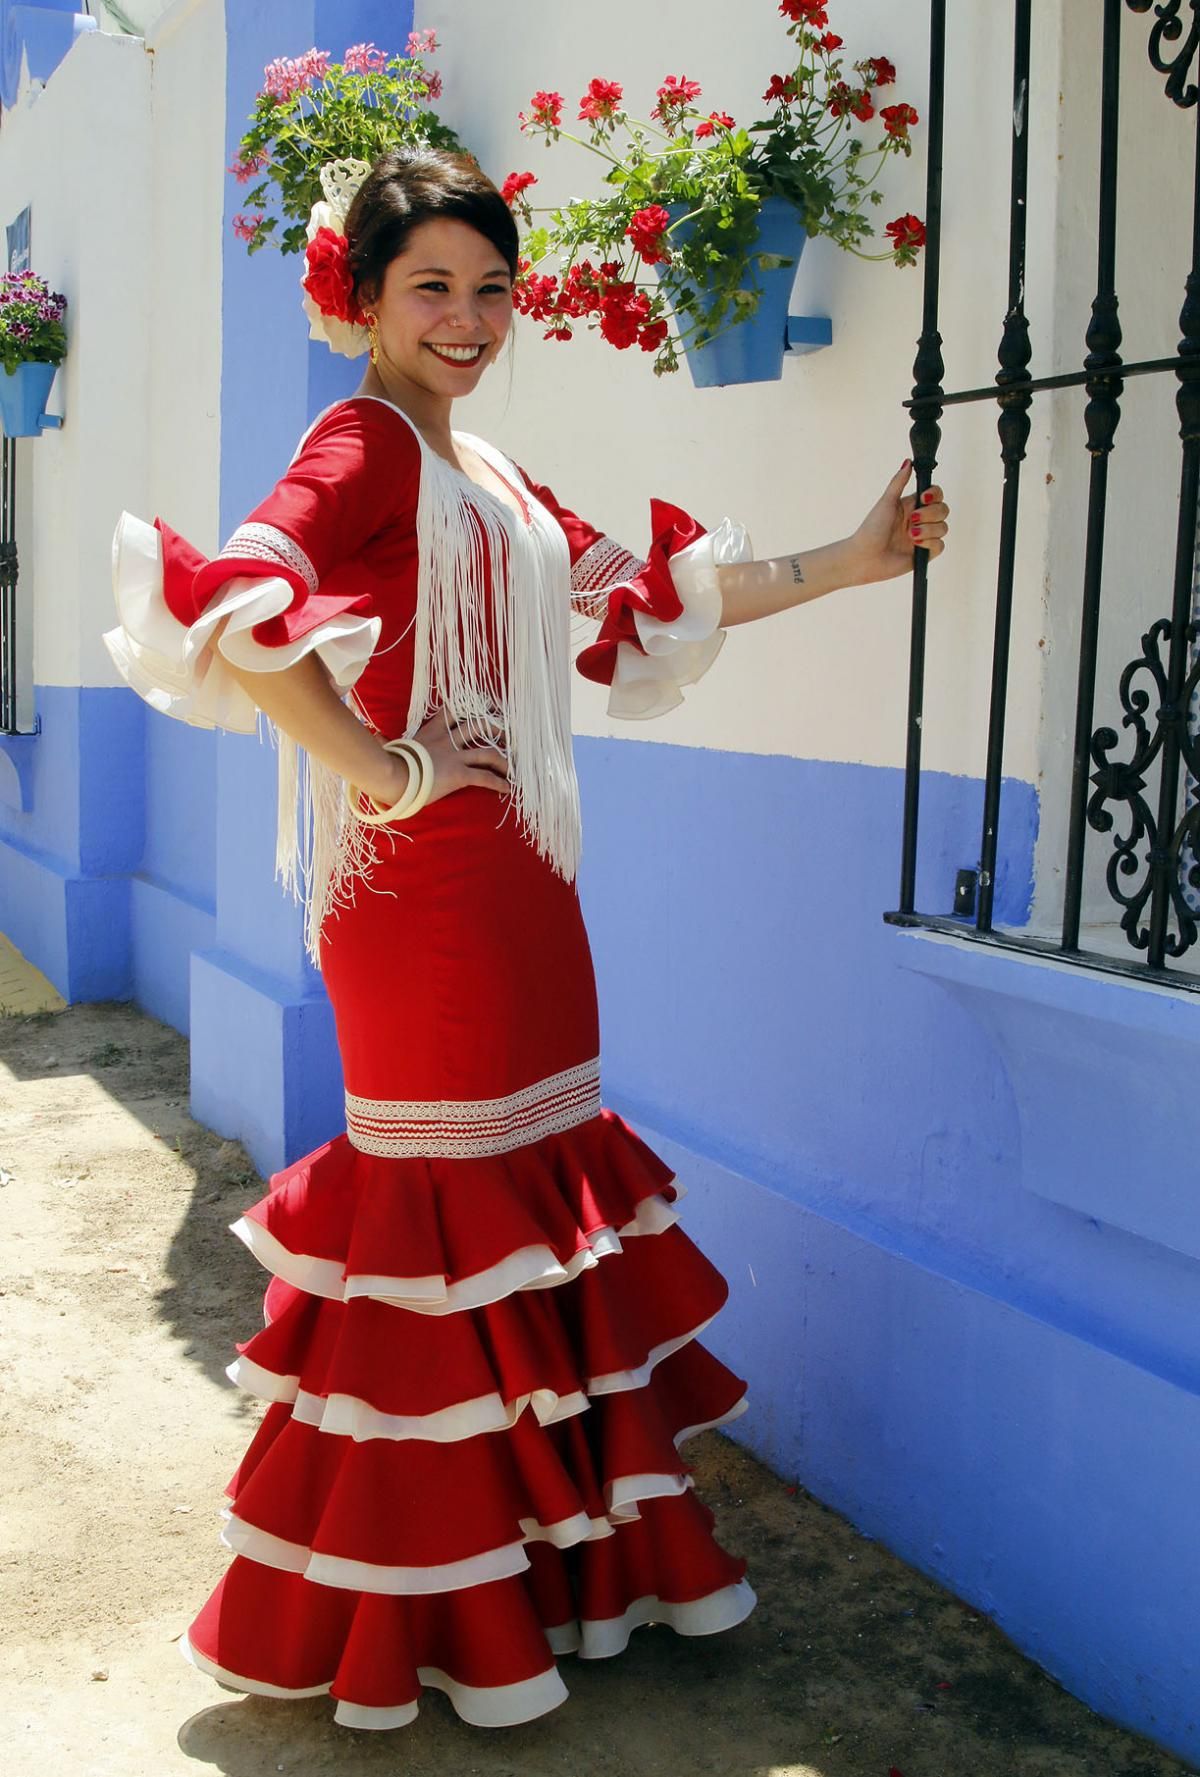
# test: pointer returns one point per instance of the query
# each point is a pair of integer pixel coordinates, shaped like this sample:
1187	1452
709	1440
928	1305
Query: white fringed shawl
507	681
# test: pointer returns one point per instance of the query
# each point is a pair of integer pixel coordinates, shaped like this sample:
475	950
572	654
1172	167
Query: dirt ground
121	1295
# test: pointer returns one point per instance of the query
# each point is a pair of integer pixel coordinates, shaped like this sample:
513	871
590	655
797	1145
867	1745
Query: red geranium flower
782	89
515	184
558	333
805	12
843	98
883	70
536	297
622	313
600	100
897	118
907	233
646	230
709	126
328	279
829	42
652	335
674	96
545	112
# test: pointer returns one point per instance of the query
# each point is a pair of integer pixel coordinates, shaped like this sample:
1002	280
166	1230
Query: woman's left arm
880	549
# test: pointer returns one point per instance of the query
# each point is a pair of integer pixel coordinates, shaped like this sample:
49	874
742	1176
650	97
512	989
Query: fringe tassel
501	666
321	852
498	664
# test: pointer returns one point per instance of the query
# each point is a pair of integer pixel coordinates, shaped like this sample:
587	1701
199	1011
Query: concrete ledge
265	1066
74	928
167	927
16	771
1103	1071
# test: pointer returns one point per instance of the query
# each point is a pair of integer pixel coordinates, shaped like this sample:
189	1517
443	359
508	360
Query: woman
480	1352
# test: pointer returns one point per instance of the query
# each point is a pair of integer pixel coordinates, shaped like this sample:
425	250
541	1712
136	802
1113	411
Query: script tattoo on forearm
797	570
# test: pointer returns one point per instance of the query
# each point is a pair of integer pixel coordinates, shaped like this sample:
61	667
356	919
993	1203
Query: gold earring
373	337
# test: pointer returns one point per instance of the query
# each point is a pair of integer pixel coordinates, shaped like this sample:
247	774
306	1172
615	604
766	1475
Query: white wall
121	159
800	460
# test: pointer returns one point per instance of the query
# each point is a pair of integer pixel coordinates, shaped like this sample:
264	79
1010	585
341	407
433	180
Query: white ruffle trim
599	1639
679	652
178	671
349	1416
345	338
530	1268
622	1497
500	1706
490	1706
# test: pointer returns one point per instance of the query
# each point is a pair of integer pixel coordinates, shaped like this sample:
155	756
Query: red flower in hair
328	279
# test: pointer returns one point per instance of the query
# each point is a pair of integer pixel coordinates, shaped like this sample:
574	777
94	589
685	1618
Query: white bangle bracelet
416	793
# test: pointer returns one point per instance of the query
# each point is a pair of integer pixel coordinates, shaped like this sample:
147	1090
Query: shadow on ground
853	1666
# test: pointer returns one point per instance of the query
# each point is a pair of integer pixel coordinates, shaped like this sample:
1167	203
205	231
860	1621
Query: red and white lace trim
263	542
601	567
398	1128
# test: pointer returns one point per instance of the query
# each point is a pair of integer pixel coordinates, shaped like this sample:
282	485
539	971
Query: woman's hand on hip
457	765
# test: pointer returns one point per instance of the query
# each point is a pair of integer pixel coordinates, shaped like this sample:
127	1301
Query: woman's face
445	308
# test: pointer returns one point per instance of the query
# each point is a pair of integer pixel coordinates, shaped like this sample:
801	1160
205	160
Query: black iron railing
1152	875
8	588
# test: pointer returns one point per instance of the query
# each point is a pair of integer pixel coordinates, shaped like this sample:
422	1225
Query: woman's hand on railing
882	547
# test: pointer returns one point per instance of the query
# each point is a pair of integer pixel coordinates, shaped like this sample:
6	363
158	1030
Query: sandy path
122	1294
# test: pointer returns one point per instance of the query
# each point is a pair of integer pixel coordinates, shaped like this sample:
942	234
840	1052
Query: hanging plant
313	110
678	229
33	343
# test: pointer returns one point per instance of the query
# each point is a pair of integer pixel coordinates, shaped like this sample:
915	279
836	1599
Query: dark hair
411	186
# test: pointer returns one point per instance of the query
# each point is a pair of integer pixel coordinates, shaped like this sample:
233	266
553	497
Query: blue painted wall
264	1060
948	1188
65	859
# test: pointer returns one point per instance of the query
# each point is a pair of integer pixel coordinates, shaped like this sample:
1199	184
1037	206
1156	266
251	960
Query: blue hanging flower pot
752	351
24	393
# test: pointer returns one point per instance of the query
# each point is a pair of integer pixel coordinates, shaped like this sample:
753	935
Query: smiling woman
481	1354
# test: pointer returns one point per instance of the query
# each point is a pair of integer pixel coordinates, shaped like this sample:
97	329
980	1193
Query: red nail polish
927	497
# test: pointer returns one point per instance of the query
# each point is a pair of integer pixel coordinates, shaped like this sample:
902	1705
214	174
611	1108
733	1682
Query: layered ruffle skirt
481	1352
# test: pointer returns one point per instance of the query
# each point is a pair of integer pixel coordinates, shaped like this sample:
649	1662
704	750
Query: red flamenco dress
480	1352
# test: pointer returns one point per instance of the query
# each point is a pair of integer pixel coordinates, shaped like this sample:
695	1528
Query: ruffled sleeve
659	618
285	581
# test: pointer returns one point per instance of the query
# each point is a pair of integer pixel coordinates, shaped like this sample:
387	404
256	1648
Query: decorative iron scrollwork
1170	29
1139	853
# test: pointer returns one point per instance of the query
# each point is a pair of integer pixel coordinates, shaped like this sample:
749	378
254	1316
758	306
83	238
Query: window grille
1137	792
8	588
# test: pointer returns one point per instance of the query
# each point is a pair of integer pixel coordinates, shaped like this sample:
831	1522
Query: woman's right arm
301	701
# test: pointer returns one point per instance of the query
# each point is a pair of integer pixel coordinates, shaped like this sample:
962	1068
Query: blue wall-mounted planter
753	350
24	393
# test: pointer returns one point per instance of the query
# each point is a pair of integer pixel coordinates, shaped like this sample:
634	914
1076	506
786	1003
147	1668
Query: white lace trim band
264	542
397	1128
